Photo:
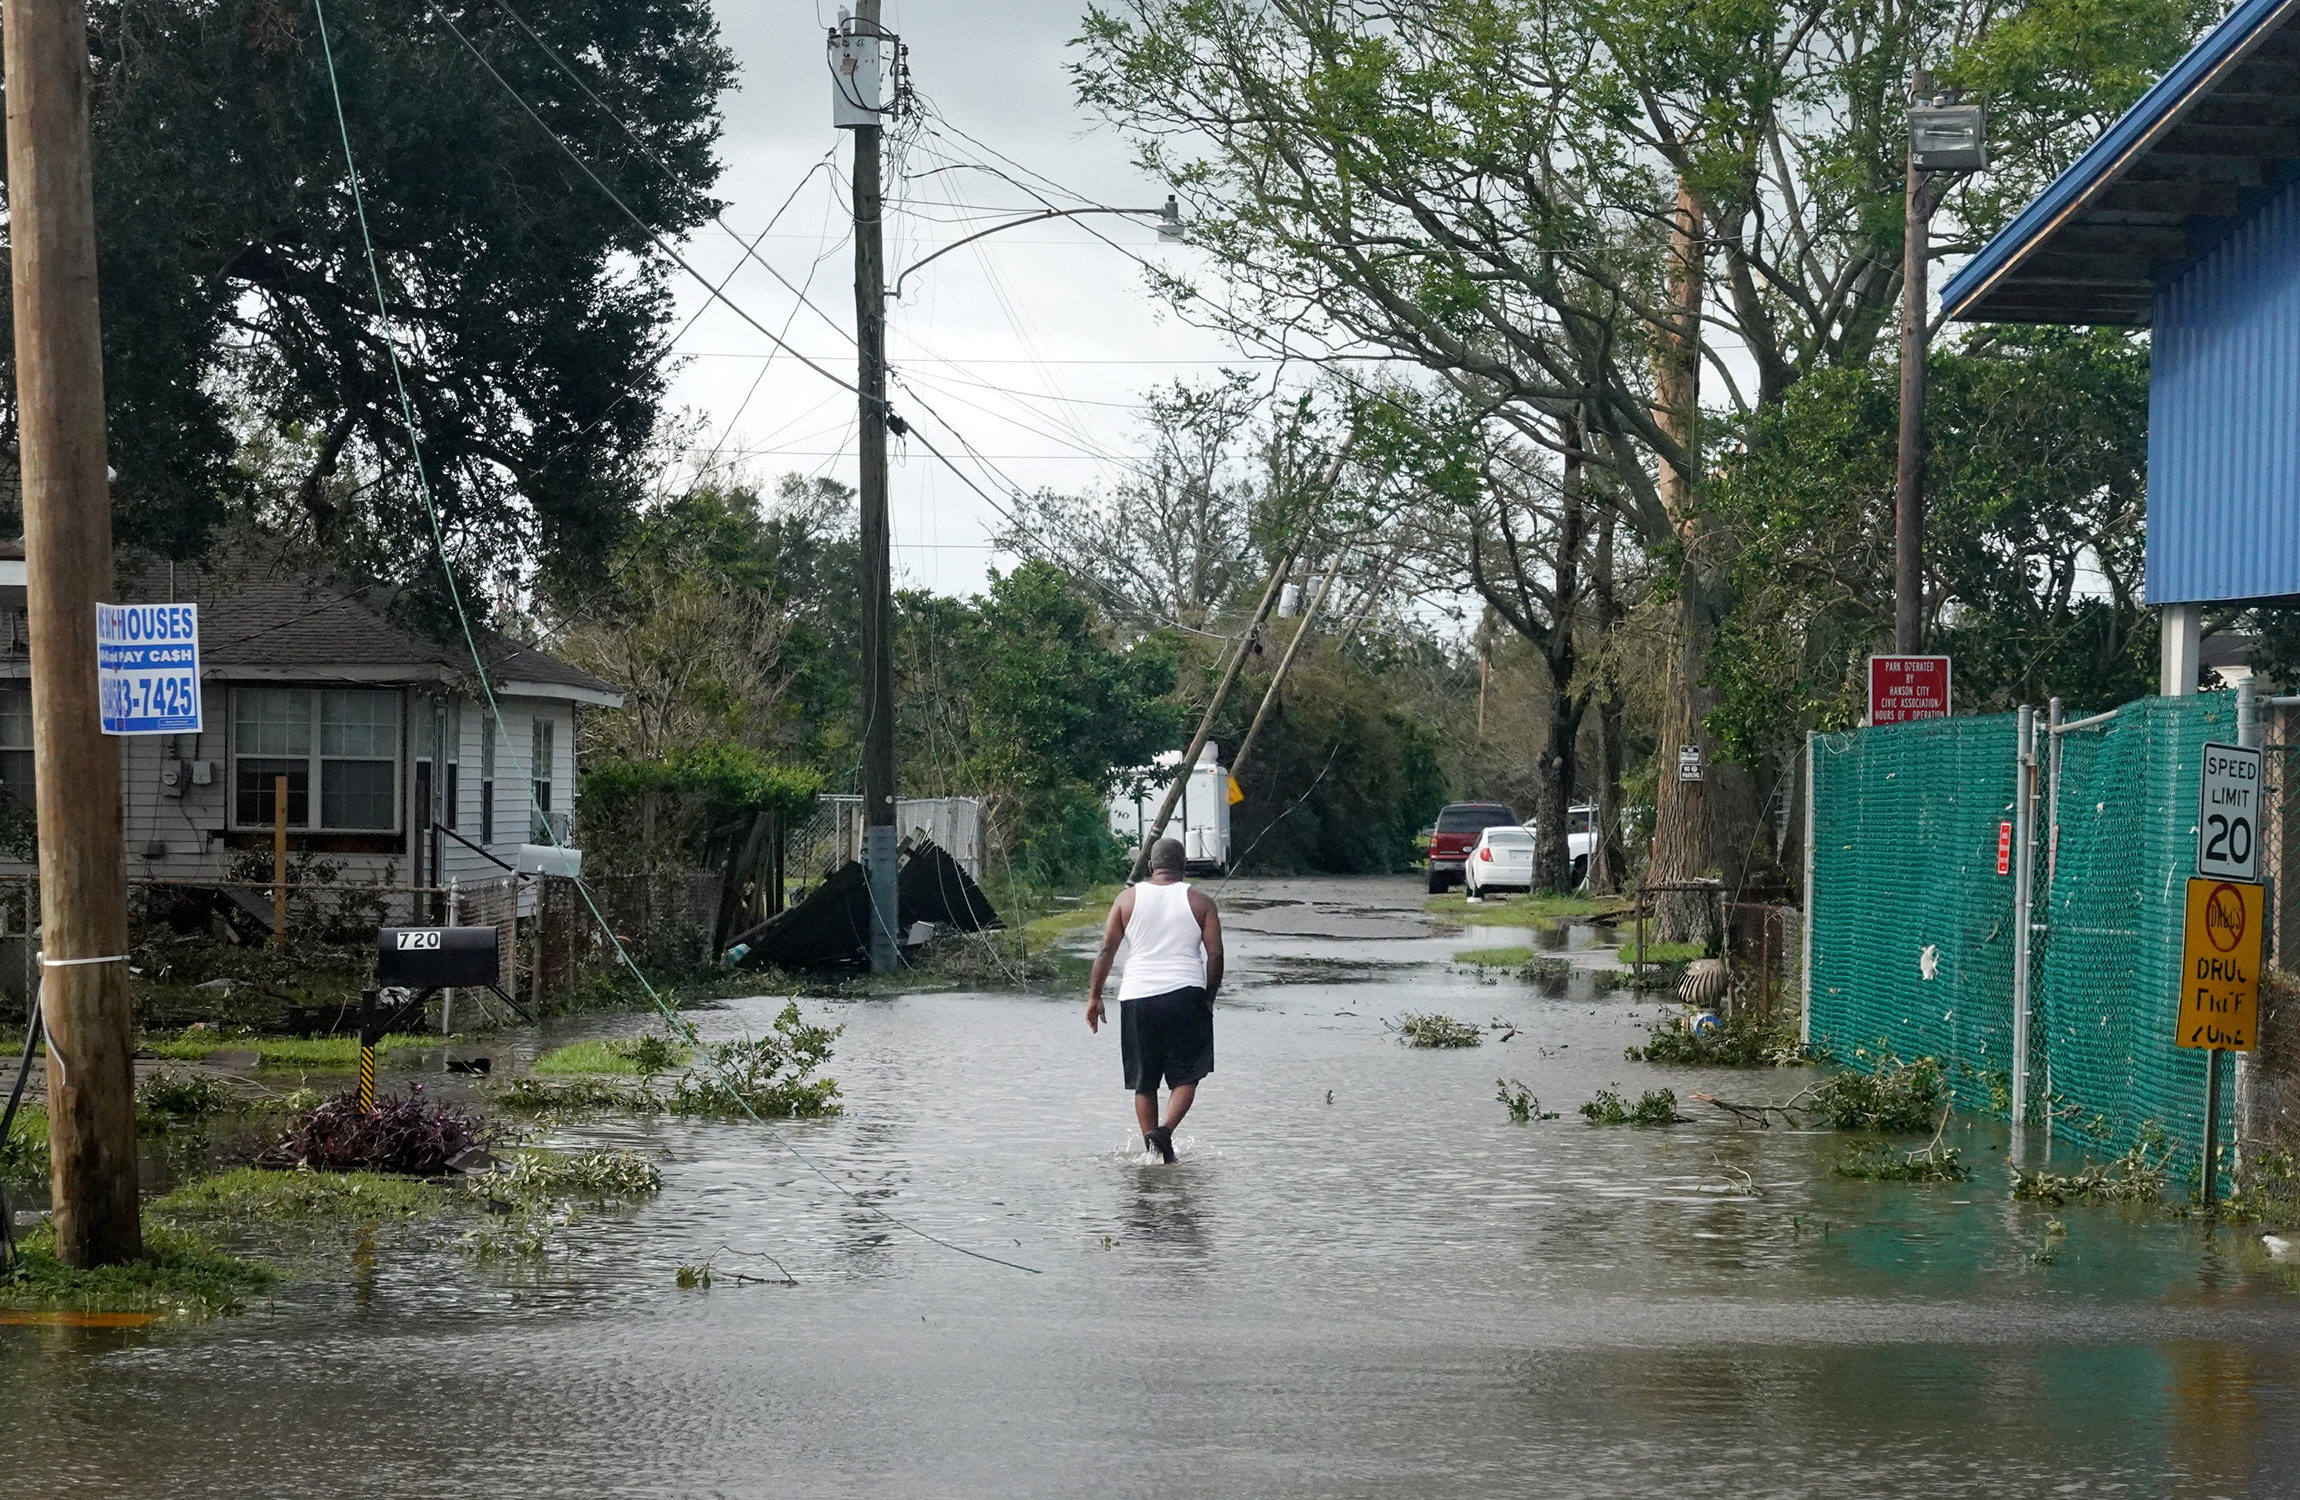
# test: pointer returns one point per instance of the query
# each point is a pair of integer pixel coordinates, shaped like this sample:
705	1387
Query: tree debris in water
1739	1041
702	1275
766	1075
2138	1176
1653	1107
172	1095
1418	1030
1882	1161
1515	1097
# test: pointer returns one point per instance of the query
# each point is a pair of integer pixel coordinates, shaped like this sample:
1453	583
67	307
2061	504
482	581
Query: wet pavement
1360	1279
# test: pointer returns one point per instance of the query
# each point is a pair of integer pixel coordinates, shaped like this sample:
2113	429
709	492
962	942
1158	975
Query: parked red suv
1458	825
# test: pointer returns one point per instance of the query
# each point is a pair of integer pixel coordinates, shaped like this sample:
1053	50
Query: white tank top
1164	948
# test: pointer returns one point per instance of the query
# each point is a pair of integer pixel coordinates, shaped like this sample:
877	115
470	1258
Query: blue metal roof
2209	143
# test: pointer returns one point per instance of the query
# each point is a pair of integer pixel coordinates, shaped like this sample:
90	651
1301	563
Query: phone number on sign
152	697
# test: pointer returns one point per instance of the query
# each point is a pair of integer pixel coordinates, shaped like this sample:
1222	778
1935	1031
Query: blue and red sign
148	668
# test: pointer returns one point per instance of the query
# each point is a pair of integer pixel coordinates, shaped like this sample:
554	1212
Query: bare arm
1113	933
1209	932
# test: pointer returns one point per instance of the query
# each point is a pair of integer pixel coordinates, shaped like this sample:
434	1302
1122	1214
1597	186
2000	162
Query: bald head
1166	857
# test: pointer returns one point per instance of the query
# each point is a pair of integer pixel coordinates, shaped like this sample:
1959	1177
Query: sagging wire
479	664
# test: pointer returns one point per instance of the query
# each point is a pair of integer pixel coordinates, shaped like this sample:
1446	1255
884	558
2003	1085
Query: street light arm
1167	213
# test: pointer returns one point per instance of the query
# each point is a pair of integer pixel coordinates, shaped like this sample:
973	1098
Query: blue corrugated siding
2224	419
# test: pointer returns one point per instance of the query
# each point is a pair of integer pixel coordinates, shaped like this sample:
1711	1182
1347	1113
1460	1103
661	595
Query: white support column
2178	650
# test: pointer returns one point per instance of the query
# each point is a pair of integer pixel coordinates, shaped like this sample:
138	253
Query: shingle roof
262	607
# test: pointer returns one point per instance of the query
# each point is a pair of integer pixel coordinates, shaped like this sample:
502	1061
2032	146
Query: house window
16	743
539	767
344	739
487	782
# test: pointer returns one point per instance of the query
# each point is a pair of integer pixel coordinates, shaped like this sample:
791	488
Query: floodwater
1360	1279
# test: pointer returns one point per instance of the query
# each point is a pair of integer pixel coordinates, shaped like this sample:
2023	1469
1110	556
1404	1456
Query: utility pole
1944	137
1181	782
68	567
857	105
1909	481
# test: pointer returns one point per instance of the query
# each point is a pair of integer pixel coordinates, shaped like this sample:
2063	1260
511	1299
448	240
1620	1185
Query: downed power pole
1285	665
1157	829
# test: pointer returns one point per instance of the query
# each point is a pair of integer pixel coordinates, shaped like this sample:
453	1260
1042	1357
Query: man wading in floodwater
1173	937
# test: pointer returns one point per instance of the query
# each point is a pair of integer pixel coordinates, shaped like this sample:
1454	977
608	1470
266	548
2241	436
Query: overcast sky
1035	345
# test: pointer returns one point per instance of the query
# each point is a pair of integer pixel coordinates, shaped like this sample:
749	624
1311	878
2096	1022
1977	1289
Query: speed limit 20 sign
2228	814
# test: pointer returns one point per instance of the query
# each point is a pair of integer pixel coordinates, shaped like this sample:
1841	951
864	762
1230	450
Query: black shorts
1169	1036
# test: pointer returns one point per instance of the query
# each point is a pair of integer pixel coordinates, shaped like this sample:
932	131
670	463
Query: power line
640	224
471	643
654	156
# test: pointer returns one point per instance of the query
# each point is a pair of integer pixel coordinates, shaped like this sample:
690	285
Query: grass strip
334	1052
636	1057
1525	911
1091	910
1663	953
283	1196
1495	958
178	1273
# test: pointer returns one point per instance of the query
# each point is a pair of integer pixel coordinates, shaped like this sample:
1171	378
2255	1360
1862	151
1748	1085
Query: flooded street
1361	1278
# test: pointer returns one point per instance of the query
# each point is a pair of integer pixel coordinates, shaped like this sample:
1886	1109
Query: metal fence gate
1934	844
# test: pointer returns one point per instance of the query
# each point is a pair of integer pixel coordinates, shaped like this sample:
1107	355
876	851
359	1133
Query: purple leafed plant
403	1133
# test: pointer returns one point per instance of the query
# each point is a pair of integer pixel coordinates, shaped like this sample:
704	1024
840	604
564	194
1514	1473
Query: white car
1503	856
1501	860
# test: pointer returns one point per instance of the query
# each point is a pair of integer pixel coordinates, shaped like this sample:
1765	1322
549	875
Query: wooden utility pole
1286	664
1181	782
879	833
1909	480
68	567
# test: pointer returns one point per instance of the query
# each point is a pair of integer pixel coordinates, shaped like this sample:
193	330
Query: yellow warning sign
2220	966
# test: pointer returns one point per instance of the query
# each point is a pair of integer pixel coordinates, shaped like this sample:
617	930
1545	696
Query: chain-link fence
1915	922
1912	950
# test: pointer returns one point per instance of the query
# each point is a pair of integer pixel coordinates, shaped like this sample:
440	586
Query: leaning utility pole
856	105
68	568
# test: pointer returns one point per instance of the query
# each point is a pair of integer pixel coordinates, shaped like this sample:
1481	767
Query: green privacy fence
1913	929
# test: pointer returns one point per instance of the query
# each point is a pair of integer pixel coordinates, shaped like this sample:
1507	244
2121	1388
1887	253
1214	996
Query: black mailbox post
436	958
423	961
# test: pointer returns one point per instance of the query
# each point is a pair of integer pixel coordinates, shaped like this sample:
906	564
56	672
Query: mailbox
436	958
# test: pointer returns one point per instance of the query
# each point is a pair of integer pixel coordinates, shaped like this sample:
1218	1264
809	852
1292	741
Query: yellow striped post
366	1075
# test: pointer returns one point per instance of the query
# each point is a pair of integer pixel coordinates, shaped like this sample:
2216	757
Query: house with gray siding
394	764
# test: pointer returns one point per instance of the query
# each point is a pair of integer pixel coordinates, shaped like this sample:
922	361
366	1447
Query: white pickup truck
1580	838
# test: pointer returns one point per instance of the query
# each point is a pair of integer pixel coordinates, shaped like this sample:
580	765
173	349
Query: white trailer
1201	819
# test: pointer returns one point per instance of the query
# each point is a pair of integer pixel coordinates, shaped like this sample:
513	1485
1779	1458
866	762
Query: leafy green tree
2036	461
1344	775
726	619
530	314
1543	208
1021	693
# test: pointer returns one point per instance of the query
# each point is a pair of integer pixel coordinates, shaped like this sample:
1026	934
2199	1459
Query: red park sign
1902	688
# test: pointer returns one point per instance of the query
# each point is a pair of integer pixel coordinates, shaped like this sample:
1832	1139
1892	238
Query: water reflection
1397	1292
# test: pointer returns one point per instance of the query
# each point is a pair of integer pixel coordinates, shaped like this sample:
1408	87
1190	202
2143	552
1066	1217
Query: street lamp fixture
1948	138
